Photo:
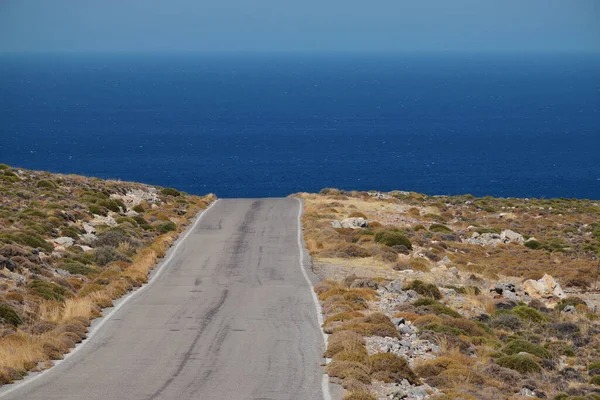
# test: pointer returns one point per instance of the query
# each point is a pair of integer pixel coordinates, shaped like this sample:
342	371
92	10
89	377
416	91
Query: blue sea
256	125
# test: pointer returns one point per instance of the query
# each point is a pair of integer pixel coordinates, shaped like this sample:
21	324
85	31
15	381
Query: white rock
354	223
64	241
336	224
543	288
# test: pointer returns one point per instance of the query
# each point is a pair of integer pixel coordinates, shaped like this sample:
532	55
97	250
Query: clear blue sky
300	25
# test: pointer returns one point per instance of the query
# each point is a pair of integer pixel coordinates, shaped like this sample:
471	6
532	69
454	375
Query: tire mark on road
188	354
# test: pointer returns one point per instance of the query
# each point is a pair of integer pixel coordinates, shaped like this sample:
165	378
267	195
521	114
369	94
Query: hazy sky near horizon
307	25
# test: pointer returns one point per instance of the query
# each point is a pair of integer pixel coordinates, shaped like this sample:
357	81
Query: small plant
47	290
166	227
520	363
533	244
518	346
76	268
357	214
45	184
388	367
439	228
97	210
139	209
393	238
106	254
9	316
424	289
170	192
530	314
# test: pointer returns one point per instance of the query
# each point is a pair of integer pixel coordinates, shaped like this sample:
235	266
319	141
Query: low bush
343	340
439	228
170	192
434	307
31	239
77	268
533	244
9	316
506	321
360	396
393	238
424	289
559	348
530	314
113	238
139	209
595	380
45	184
47	290
389	367
166	227
520	363
97	210
518	346
104	255
357	214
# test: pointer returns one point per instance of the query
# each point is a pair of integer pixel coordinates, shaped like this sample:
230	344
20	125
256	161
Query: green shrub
533	244
518	346
45	184
122	220
113	237
170	192
569	301
593	365
97	210
71	232
436	307
76	268
560	348
139	209
107	254
32	239
595	380
47	290
520	363
9	316
166	227
392	238
530	314
388	367
111	204
440	228
3	167
424	289
142	222
34	212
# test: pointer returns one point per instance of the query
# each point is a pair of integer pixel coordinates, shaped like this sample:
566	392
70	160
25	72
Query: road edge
301	249
118	304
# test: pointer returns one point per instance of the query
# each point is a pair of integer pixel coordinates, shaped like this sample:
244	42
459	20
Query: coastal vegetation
69	246
483	298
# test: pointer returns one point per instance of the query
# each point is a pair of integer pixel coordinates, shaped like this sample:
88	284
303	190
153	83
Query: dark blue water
271	125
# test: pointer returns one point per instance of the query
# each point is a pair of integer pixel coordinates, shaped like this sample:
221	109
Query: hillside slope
69	245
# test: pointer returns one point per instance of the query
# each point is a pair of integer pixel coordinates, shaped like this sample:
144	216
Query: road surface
230	317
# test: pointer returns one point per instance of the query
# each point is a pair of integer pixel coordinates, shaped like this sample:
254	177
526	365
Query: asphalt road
231	316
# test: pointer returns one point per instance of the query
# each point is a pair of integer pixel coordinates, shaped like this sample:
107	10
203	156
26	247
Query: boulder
494	239
336	224
64	241
544	288
354	223
508	236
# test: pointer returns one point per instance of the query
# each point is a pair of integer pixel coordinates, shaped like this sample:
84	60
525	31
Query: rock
354	223
445	260
100	220
64	241
569	309
509	236
527	392
506	290
336	224
131	213
88	238
544	288
395	286
88	228
592	306
494	239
